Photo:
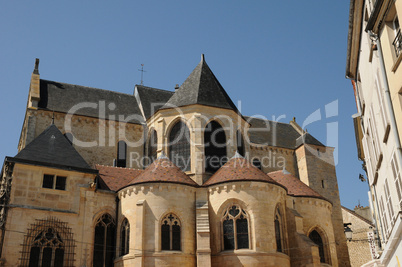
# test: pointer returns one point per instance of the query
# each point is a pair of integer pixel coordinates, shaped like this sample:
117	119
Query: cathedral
165	178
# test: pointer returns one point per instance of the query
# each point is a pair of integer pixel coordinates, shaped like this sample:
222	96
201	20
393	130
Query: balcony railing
397	43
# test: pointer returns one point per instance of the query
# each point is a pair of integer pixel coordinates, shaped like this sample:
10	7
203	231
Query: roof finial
53	118
142	73
202	58
285	171
36	69
237	155
163	156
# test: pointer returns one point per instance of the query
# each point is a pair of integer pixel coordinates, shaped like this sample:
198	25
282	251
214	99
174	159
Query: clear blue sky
276	57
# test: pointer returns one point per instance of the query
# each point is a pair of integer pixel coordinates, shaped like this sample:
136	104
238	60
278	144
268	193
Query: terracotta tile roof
295	187
114	178
162	170
238	169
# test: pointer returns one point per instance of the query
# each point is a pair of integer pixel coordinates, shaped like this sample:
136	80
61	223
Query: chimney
34	87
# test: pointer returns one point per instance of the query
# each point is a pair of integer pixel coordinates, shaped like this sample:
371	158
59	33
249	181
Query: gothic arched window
316	238
48	243
104	243
235	228
121	154
170	233
47	249
179	146
279	231
152	147
124	237
240	143
215	146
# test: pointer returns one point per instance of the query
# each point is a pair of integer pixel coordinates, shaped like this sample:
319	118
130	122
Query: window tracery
179	146
124	237
104	241
170	232
235	227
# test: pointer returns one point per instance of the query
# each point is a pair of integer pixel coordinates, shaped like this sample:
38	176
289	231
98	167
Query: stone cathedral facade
165	178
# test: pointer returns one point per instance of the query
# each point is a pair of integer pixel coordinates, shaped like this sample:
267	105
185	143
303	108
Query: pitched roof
307	138
272	133
162	170
152	99
62	97
295	187
114	178
357	215
201	87
238	169
51	148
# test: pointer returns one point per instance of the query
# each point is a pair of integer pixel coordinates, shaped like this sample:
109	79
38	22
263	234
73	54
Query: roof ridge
89	87
164	90
268	120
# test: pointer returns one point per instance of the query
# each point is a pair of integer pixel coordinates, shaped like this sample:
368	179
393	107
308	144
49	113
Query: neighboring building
200	202
374	65
361	245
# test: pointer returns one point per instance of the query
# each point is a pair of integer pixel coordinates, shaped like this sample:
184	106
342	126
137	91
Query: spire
36	69
201	87
285	171
162	156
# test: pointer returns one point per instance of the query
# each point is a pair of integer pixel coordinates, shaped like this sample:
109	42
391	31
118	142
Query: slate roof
272	133
51	148
265	132
61	97
152	99
307	139
201	87
239	169
162	170
114	178
295	187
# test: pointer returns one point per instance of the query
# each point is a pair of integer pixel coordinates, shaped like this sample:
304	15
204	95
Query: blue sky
279	58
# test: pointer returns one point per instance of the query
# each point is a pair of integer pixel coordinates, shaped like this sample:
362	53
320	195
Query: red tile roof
295	187
239	169
115	178
163	170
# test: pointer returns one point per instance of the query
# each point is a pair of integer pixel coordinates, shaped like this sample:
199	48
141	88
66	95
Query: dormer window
54	182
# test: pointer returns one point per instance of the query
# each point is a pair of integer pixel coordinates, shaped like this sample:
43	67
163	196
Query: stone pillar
140	234
202	227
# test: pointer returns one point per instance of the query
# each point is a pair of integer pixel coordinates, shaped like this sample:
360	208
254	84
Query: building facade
374	66
362	245
165	178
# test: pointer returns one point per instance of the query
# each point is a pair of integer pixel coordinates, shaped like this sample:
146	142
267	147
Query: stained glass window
215	146
278	230
125	237
104	246
235	228
48	242
171	233
179	146
316	238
